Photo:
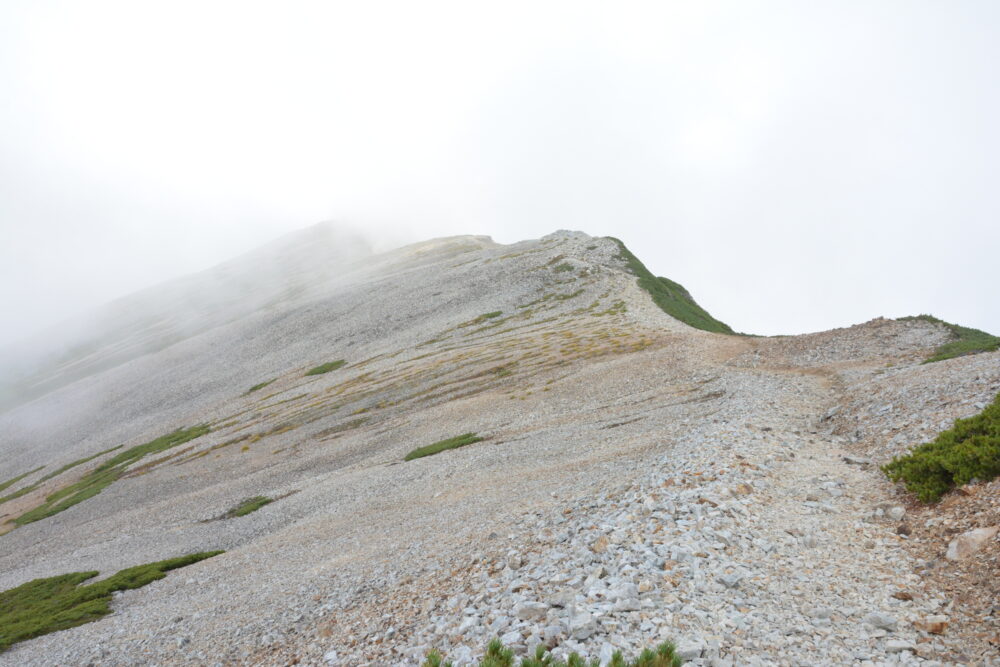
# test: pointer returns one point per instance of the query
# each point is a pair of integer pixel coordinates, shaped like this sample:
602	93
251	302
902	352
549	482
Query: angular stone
582	625
934	625
969	543
884	621
898	646
531	611
690	650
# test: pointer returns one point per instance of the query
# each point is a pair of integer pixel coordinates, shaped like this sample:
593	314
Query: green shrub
46	605
247	506
969	450
498	656
565	266
326	368
442	445
966	340
671	297
106	474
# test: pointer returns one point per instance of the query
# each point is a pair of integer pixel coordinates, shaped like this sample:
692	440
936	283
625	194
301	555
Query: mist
796	166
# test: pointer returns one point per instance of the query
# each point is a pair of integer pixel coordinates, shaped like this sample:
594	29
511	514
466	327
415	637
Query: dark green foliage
450	443
565	266
264	384
498	656
673	299
967	341
247	506
326	368
107	473
42	606
969	450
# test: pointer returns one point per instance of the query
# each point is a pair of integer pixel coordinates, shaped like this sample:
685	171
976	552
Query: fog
797	166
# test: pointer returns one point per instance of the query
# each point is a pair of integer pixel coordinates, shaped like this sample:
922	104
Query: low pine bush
326	368
46	605
969	450
498	656
964	340
442	445
248	506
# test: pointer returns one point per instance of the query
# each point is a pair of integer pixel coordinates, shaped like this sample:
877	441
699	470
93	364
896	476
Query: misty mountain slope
275	277
645	471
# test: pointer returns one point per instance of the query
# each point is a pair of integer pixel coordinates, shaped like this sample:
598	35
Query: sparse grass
671	297
46	605
442	445
326	368
967	341
15	480
482	318
497	656
247	506
262	385
106	474
74	464
969	450
565	266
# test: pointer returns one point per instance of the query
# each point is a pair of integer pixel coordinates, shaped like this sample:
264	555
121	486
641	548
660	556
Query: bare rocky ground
639	480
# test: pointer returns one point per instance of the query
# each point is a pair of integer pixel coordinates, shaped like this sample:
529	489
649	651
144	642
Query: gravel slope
639	479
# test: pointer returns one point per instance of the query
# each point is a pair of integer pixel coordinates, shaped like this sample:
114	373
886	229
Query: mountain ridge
615	440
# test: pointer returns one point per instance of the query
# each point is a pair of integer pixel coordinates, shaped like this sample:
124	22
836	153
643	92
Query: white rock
970	542
582	625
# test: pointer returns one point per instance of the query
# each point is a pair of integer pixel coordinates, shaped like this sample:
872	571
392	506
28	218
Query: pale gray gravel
640	480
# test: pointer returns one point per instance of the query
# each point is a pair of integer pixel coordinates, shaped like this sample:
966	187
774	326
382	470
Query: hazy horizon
797	168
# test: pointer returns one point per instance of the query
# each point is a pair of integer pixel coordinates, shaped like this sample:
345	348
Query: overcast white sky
797	165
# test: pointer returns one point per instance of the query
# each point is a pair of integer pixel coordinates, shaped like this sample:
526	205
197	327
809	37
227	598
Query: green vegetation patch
76	463
442	445
42	606
265	383
326	368
482	318
671	297
967	341
106	474
11	482
565	266
247	506
969	450
497	656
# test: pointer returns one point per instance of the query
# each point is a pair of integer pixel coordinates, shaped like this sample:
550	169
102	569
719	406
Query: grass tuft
15	480
260	386
967	341
497	655
326	368
671	297
442	445
46	605
247	506
969	450
106	474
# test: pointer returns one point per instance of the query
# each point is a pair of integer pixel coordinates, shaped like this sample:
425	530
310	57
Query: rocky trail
754	540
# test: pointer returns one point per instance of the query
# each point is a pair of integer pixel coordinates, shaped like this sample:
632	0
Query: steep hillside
460	440
286	272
